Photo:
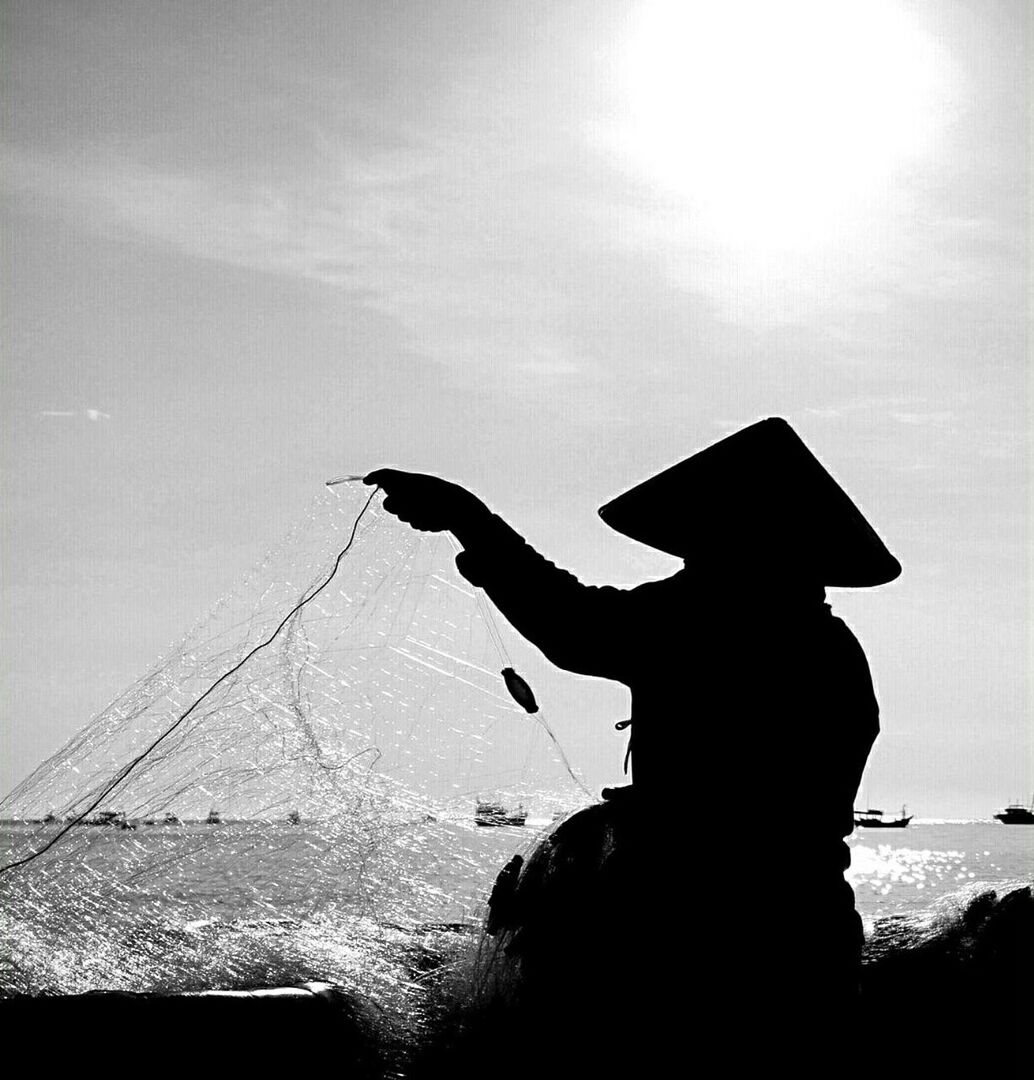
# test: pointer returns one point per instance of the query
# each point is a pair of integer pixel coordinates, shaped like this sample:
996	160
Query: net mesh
287	820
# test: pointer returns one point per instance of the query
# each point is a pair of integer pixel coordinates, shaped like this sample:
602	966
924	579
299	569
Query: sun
775	119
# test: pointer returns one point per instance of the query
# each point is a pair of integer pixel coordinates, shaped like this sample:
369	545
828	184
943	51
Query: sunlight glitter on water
883	867
911	869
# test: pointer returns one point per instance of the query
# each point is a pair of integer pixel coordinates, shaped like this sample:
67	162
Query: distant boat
116	818
491	813
1014	814
874	819
214	818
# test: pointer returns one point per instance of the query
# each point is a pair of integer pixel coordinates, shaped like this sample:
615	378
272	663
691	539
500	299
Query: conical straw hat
759	495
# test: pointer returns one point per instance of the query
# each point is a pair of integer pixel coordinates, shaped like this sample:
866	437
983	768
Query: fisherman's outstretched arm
578	627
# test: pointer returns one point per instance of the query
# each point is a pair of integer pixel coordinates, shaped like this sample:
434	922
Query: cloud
924	419
408	232
321	235
458	233
870	407
94	415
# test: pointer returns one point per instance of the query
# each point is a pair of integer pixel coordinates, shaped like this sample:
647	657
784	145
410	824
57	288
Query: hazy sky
543	249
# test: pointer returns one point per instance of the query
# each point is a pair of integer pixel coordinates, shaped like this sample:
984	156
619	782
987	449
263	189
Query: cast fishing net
291	788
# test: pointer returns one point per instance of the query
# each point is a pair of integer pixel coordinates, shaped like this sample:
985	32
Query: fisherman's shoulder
668	590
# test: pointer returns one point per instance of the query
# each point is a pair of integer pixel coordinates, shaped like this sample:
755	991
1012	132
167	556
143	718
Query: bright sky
542	249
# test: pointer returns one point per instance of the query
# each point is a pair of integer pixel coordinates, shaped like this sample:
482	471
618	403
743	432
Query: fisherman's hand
428	503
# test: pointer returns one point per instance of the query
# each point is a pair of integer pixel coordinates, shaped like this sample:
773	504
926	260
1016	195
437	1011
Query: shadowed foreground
947	987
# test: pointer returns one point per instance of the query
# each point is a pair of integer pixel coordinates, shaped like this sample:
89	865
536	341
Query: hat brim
760	489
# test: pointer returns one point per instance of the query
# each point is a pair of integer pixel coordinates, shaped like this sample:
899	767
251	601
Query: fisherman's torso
750	715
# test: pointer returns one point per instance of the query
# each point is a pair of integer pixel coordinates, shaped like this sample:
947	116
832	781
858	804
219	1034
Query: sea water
319	933
904	871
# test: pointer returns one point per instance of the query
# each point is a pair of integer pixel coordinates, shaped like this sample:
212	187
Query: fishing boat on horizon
493	813
874	819
1015	814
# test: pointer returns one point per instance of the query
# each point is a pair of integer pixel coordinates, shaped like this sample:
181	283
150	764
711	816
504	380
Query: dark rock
315	1026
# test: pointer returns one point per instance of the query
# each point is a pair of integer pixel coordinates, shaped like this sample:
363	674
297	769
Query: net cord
124	772
500	645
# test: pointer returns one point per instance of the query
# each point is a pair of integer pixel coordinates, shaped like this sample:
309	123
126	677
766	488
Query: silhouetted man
745	689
